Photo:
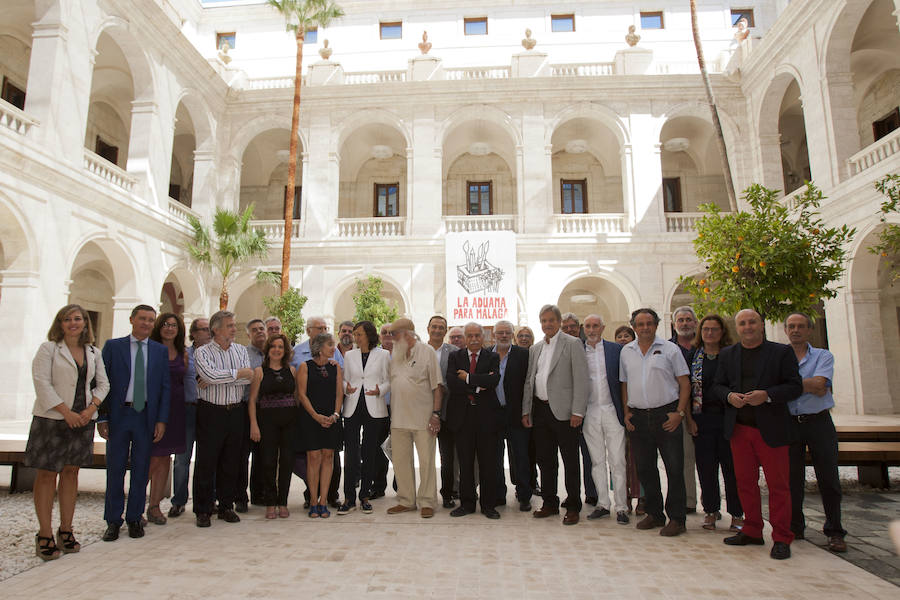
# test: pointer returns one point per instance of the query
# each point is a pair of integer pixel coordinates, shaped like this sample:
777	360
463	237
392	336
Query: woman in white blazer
70	384
366	383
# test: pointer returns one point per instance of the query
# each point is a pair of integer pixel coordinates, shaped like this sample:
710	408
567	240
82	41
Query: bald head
749	326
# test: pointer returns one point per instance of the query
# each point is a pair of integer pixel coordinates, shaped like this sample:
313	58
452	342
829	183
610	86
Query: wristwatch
436	413
681	413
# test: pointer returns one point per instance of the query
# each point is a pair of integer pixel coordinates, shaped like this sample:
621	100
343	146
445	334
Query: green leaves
888	246
304	15
288	307
370	304
776	258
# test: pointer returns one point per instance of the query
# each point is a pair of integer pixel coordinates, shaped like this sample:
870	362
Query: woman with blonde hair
70	384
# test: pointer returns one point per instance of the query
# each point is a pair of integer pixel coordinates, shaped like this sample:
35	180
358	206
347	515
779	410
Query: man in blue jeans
655	393
199	336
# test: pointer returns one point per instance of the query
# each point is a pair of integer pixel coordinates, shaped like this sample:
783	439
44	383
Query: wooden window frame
743	12
679	199
383	24
490	185
876	124
562	196
468	20
386	205
560	17
298	194
9	88
100	146
653	13
225	34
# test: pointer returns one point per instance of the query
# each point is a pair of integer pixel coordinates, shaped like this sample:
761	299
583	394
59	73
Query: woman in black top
321	391
273	418
711	448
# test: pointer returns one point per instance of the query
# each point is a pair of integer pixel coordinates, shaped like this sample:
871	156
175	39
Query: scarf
697	382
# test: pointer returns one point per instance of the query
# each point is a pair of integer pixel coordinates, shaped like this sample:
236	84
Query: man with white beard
415	418
685	321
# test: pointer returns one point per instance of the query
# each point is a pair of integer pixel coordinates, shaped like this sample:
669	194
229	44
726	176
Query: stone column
23	307
840	111
860	366
228	184
819	147
424	175
122	307
536	177
771	174
321	184
150	151
205	188
629	206
646	157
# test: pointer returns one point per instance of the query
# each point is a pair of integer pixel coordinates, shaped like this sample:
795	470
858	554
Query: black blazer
779	376
514	384
486	376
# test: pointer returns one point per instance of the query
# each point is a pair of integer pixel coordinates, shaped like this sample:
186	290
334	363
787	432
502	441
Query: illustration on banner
477	274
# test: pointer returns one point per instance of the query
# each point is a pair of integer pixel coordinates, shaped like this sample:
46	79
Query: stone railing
271	83
274	230
15	119
374	77
583	69
790	200
180	212
682	222
469	73
102	168
371	227
590	223
682	68
457	223
873	154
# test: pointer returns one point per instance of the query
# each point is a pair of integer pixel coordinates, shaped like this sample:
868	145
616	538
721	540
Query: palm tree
717	125
234	242
301	16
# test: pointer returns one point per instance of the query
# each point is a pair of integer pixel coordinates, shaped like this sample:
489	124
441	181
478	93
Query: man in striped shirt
225	367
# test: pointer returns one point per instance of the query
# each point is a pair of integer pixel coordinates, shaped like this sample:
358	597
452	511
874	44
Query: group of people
697	401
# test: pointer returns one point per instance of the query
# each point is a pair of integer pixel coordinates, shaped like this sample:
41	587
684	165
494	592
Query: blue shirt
501	395
818	362
133	344
302	354
191	394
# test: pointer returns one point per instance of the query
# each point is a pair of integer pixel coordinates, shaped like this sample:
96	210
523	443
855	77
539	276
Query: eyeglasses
711	329
171	326
206	329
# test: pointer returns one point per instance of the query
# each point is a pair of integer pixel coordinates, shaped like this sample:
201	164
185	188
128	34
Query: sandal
69	544
323	511
313	512
270	512
155	515
45	547
283	512
737	523
709	522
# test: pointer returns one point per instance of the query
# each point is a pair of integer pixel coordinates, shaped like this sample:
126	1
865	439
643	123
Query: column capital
19	279
49	30
144	107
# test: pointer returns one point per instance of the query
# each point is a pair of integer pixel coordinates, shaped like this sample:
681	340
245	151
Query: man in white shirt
604	422
656	391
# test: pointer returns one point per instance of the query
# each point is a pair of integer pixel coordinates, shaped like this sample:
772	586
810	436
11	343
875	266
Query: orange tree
888	246
775	258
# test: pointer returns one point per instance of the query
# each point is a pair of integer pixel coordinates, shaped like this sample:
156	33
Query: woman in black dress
711	448
321	390
625	335
273	419
169	331
70	384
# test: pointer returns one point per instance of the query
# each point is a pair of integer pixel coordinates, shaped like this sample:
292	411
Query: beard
398	354
503	346
347	340
686	331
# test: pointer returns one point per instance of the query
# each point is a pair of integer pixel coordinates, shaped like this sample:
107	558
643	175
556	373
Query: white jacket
55	376
375	374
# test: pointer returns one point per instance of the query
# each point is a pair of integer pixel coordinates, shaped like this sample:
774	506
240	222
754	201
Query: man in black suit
513	369
755	380
474	415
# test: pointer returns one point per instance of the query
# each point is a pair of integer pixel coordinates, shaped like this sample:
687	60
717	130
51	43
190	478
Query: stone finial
325	51
424	45
743	29
631	38
528	42
224	47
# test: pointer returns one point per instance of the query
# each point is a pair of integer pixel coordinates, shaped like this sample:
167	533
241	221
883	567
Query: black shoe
345	508
490	513
799	535
621	518
203	520
229	516
377	494
591	500
135	530
598	513
691	510
500	502
449	503
240	506
334	504
176	511
780	551
524	506
742	539
460	511
112	532
306	505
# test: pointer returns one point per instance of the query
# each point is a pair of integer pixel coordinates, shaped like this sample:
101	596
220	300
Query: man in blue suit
133	416
604	421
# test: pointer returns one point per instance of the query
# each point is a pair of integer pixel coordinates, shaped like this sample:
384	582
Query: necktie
140	376
472	361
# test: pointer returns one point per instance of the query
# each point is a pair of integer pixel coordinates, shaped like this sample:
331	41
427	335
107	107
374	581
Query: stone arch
201	117
770	124
478	112
597	292
592	111
730	126
362	118
194	294
138	61
839	33
373	169
249	130
121	260
264	174
346	284
18	244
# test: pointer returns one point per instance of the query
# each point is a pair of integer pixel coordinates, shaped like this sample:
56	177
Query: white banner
481	277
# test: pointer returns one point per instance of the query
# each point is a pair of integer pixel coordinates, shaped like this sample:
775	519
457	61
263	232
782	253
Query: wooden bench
12	452
870	448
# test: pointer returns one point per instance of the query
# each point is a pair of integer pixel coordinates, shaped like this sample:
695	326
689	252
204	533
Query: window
387	199
391	31
562	23
94	318
742	13
297	193
886	124
174	191
573	193
672	194
13	94
311	36
479	198
475	26
652	20
229	37
107	151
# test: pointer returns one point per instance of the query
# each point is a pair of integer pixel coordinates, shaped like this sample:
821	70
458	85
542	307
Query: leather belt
809	417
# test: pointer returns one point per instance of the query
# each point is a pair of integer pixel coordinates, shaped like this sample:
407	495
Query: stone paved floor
404	556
